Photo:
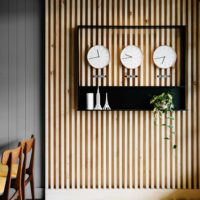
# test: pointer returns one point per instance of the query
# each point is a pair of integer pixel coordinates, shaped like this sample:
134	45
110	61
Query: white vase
89	101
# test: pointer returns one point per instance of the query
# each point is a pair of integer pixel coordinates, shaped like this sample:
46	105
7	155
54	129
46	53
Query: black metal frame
134	91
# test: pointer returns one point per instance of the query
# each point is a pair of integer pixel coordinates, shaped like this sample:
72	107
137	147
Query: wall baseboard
119	194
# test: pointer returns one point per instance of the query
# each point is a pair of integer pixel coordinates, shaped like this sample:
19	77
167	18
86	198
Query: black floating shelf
131	98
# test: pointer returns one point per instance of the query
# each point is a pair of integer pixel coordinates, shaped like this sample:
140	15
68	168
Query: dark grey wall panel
22	76
4	72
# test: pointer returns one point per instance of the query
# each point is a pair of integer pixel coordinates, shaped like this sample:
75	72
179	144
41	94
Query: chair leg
32	188
23	192
4	197
20	197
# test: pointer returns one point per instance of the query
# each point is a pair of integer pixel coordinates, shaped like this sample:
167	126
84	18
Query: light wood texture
122	149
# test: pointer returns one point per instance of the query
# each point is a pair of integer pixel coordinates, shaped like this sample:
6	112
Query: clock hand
163	59
128	56
98	53
93	57
160	57
98	56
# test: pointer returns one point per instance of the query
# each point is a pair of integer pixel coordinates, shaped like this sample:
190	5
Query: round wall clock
98	56
131	57
164	56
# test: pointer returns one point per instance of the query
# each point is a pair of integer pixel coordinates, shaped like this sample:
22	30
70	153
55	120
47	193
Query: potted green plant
163	104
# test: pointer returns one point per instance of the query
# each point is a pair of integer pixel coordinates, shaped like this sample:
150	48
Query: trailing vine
163	104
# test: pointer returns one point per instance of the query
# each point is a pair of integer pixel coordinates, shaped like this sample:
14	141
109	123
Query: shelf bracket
163	76
131	76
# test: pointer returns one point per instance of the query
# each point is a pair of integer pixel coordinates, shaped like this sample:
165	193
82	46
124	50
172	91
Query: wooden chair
28	146
16	171
6	181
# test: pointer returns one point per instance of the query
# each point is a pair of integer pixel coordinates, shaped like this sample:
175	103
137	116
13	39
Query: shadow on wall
178	195
3	146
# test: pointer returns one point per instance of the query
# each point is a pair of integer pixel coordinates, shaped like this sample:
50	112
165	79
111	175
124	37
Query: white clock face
98	56
131	57
164	56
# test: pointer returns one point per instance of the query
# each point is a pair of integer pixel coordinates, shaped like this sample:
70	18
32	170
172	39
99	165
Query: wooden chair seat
4	170
2	184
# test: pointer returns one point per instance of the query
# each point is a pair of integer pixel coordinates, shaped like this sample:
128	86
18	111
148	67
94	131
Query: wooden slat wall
118	149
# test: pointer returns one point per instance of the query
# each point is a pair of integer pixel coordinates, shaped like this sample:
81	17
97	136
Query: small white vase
89	101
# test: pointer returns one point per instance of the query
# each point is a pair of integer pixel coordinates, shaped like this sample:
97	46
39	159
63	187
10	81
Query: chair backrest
27	147
16	159
5	194
16	153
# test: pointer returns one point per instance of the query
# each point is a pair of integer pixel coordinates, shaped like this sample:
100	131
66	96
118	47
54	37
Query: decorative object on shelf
164	57
131	57
98	100
106	106
163	104
98	56
89	101
131	76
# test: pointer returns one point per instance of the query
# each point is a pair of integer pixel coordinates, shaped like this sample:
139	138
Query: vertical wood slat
184	154
152	120
62	95
189	82
198	92
136	113
157	138
173	43
178	128
163	129
147	116
51	95
105	116
47	152
194	95
67	96
117	149
57	94
167	159
78	126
